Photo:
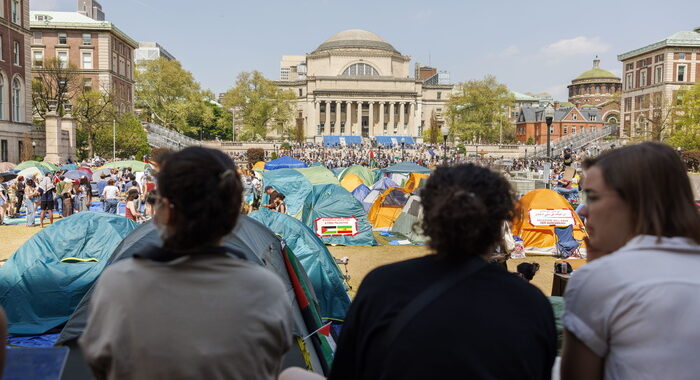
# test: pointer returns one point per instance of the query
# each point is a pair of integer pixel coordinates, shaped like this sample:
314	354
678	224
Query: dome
356	39
596	72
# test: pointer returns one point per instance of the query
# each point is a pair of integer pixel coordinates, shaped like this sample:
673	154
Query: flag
324	330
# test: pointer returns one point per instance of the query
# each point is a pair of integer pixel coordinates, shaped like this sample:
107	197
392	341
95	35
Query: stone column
314	119
392	122
359	118
371	120
412	129
402	118
68	124
381	118
53	137
337	117
327	124
348	118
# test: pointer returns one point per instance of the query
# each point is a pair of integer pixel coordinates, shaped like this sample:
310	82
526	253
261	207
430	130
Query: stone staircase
161	137
575	142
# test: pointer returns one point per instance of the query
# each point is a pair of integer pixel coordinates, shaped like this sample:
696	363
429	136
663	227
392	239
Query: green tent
319	175
37	164
136	166
367	177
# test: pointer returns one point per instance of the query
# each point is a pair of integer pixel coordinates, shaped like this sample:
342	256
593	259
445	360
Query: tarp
37	290
319	175
542	237
341	140
350	182
406	167
367	177
294	185
334	201
285	162
361	192
327	280
389	141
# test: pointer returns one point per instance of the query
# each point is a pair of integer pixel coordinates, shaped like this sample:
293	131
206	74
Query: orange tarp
260	165
542	236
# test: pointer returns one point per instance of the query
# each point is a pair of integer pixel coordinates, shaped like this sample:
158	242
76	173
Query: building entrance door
365	126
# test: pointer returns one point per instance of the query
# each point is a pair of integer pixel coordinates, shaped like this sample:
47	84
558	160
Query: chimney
596	63
417	70
556	105
578	104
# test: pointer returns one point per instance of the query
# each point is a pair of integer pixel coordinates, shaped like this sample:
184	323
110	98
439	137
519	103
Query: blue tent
285	162
328	201
43	282
406	167
360	192
326	278
294	185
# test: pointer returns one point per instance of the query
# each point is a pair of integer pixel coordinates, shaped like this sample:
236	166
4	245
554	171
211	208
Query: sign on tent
336	226
551	217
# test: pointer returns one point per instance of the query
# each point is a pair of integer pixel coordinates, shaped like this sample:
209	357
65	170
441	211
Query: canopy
350	182
42	283
36	164
367	177
33	172
136	166
7	166
341	140
389	141
406	167
543	201
328	282
285	162
69	167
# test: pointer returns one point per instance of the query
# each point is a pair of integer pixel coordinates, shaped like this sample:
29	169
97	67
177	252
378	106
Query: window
87	39
643	78
681	55
37	37
658	58
87	84
574	116
301	92
439	95
62	38
681	73
629	66
3	151
566	130
628	104
87	60
573	129
62	58
2	99
16	100
360	69
593	117
629	81
2	56
15	11
38	58
114	62
658	74
15	53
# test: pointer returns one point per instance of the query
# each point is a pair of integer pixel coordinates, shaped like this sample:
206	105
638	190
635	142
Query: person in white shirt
632	312
110	195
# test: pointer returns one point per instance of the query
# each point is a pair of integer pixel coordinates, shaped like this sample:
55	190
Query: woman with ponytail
191	308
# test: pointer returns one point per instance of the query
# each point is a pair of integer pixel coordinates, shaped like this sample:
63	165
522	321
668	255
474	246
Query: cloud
510	51
580	45
559	92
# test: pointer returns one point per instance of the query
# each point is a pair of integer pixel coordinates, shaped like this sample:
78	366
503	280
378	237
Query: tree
131	138
686	129
478	110
54	82
166	93
94	111
431	134
261	104
659	119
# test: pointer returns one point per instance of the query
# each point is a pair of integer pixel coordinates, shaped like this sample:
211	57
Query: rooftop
689	38
74	20
596	72
356	39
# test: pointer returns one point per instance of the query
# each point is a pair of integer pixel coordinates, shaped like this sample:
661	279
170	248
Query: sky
531	46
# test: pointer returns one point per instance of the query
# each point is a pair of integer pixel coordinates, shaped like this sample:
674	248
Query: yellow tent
260	165
414	180
539	211
350	182
387	207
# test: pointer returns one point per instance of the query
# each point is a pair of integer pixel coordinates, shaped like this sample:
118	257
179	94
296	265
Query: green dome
596	73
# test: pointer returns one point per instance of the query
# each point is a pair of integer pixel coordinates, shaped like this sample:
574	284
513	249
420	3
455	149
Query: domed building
598	88
356	85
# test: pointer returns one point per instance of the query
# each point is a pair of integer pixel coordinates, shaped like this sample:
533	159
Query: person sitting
191	308
272	195
280	206
131	211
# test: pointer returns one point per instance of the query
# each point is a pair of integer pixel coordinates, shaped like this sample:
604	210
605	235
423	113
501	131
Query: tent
259	245
376	191
332	201
44	280
327	280
408	222
406	167
539	212
319	175
387	207
284	162
350	182
37	164
360	193
260	165
367	177
415	181
136	166
292	184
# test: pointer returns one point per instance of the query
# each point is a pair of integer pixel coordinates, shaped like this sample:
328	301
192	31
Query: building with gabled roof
567	121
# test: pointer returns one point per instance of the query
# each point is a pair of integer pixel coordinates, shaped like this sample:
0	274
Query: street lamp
548	117
403	144
445	132
233	123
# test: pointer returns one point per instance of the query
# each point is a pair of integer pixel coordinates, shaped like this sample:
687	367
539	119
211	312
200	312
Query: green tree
261	105
53	82
131	138
431	133
166	93
686	129
93	112
478	110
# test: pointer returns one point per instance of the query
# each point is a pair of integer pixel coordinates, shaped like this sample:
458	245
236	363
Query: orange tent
387	207
539	211
350	182
414	180
260	165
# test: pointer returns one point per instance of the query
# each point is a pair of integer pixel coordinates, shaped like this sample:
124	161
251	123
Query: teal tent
294	185
329	201
406	167
327	280
43	282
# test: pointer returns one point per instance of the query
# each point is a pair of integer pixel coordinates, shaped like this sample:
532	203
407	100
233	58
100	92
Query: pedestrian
4	201
19	193
131	211
47	198
110	194
101	184
67	198
31	195
82	195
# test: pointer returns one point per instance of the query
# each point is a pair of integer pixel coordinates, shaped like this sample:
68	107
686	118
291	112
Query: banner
336	226
552	217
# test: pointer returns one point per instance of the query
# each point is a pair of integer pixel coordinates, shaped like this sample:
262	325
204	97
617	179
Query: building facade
652	76
598	88
18	140
148	51
357	84
531	126
101	52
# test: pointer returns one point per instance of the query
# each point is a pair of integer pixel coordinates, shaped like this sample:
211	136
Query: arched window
2	98
361	69
16	100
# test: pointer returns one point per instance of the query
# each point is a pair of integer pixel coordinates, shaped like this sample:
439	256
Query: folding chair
567	245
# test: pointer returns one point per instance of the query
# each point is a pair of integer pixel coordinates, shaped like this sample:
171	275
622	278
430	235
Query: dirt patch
12	237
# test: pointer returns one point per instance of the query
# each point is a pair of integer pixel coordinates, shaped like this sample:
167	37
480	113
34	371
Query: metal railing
161	137
574	142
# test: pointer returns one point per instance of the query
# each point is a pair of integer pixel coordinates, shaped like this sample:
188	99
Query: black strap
429	295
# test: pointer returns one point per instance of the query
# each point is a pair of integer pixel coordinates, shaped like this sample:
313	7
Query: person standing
111	196
19	193
67	198
31	194
131	211
47	198
101	184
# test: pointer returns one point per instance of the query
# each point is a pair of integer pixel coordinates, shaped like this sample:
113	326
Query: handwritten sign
336	226
552	217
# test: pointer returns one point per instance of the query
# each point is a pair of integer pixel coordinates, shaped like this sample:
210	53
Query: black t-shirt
567	159
492	325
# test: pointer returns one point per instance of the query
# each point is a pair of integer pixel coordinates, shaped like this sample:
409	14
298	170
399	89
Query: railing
575	141
161	137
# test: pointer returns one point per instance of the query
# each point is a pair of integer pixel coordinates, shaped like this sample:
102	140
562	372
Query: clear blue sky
532	46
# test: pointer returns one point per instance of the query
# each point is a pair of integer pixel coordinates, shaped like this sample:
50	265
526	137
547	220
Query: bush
255	155
530	141
691	159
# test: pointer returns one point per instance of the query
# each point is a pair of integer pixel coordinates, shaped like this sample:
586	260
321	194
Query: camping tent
44	280
406	167
376	191
350	182
332	201
387	207
259	245
285	162
361	192
327	280
366	176
294	185
415	181
136	166
319	175
539	212
408	222
260	165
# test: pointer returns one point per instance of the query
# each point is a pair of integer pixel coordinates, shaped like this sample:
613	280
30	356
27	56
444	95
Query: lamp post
445	132
403	144
33	149
548	117
233	123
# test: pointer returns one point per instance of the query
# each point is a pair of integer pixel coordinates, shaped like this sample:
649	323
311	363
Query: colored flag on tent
325	330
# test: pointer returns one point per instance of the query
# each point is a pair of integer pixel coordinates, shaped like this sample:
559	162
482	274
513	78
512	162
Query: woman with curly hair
450	314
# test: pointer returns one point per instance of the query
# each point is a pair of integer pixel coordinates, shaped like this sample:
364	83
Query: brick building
16	131
598	88
652	76
567	121
102	53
